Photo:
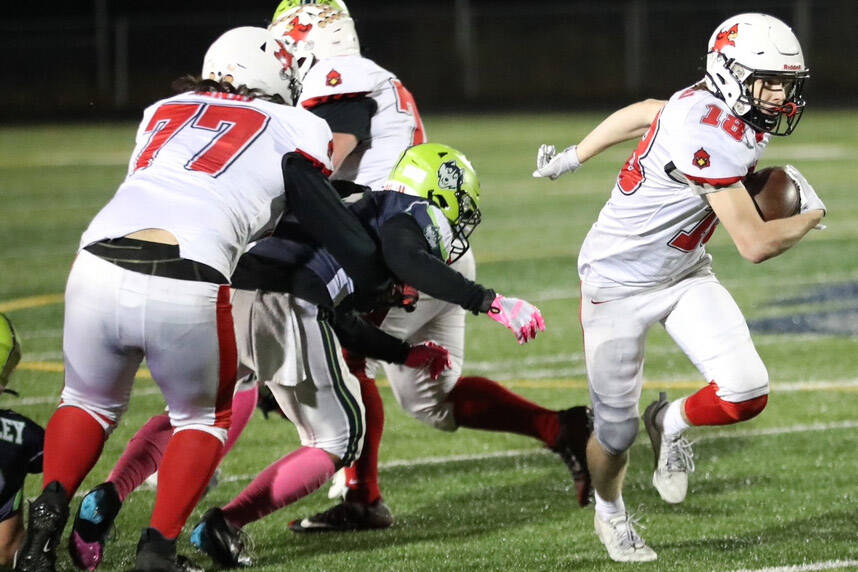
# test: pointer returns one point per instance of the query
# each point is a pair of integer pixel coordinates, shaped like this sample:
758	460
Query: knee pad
616	437
616	428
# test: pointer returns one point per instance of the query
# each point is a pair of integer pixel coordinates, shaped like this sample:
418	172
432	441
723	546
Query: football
774	193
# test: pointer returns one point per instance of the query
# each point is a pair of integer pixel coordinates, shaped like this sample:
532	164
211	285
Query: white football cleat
622	541
674	458
338	488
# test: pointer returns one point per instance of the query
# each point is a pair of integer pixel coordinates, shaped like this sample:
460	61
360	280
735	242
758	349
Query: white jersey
395	126
654	228
206	168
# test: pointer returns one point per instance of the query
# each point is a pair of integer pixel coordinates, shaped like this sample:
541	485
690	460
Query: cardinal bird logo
701	158
284	56
297	30
726	38
333	78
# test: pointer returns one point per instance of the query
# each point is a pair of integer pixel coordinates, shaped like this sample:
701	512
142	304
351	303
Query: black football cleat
346	516
92	524
47	517
158	554
225	544
576	425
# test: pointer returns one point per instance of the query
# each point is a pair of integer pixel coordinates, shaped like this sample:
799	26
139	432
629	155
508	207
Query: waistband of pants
155	259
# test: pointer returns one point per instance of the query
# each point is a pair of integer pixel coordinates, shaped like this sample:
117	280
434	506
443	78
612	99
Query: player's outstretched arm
407	254
624	124
758	240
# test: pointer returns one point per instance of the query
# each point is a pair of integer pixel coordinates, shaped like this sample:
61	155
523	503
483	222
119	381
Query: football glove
810	201
551	164
431	356
521	318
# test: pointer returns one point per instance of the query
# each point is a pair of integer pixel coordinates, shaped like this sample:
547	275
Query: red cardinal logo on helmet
701	158
333	78
726	38
297	30
284	55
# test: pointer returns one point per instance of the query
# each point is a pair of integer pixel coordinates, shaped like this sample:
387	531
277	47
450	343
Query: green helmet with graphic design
446	178
10	351
287	5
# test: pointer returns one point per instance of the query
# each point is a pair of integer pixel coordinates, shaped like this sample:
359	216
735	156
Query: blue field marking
839	322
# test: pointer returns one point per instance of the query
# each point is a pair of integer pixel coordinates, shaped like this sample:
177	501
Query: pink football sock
243	404
142	455
293	477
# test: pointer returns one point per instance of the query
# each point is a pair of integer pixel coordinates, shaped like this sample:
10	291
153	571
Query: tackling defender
374	119
214	168
644	260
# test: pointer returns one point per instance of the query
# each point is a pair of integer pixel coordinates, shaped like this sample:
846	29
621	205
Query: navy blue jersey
373	210
21	441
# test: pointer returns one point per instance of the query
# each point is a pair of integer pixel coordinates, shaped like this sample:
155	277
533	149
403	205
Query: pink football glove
429	355
521	317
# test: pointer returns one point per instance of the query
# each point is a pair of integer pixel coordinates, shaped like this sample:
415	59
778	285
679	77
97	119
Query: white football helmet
286	5
317	30
749	47
255	58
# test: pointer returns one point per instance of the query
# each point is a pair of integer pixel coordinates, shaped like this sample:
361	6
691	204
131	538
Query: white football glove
551	164
810	201
520	317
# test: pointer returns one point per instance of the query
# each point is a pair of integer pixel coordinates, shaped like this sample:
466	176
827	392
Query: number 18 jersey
654	228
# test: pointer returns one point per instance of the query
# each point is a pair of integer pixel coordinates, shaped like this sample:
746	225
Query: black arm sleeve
359	336
407	254
347	188
353	115
322	214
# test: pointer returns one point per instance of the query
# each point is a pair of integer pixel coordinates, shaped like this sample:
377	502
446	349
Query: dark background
103	59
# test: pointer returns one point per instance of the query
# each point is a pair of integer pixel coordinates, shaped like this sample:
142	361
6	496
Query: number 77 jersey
654	228
206	168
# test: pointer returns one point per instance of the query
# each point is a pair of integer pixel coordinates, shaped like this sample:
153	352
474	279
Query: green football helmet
447	179
10	351
287	5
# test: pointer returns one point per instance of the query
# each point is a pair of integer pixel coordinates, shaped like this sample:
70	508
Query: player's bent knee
439	416
745	410
218	433
616	437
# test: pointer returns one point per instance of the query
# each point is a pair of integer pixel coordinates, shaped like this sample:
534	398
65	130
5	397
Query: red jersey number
700	234
731	125
234	129
632	174
405	104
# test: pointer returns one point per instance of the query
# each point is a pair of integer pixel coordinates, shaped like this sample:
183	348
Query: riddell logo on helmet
701	158
792	67
726	38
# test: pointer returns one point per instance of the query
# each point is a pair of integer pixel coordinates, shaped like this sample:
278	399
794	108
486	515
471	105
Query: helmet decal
296	30
701	158
285	58
450	176
333	78
726	38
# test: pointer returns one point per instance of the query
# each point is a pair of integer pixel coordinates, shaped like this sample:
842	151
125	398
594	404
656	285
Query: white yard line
430	461
827	565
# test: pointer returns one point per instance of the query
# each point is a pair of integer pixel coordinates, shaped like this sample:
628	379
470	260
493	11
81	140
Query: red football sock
480	403
706	408
142	455
362	477
188	464
243	404
73	443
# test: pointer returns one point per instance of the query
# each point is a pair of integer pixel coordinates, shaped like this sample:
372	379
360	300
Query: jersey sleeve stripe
725	182
316	101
